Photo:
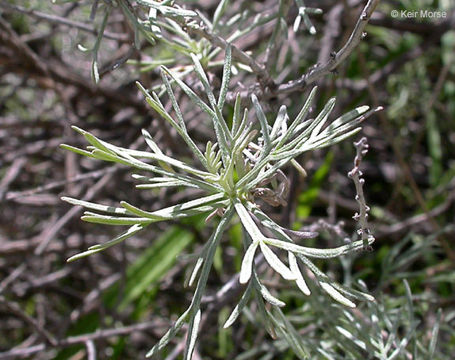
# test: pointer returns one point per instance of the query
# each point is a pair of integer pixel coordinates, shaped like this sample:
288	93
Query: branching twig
316	72
241	56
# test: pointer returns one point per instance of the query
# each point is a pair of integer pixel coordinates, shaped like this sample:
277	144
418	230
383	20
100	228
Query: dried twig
54	19
79	339
356	175
15	309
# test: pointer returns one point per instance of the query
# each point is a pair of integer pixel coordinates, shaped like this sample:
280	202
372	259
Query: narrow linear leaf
301	116
290	334
247	221
276	263
226	76
247	263
195	271
96	207
434	334
266	293
263	121
100	247
317	253
192	335
239	307
295	269
336	295
170	334
113	220
322	117
281	118
77	150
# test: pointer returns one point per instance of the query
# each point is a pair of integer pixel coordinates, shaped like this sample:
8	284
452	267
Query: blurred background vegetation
118	303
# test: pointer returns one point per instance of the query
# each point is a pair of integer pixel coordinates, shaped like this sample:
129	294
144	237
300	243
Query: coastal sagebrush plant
240	166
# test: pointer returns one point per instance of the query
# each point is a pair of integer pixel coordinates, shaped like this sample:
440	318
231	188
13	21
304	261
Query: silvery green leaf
295	269
126	159
163	158
220	127
247	221
263	121
330	141
276	263
302	172
203	78
315	252
326	284
290	334
434	334
219	11
266	293
156	179
190	93
139	212
236	116
170	334
300	234
239	307
404	342
159	185
152	17
242	141
97	143
351	337
218	121
322	117
154	147
176	12
154	102
100	247
226	75
355	294
195	271
281	119
174	102
251	178
167	10
113	220
95	73
336	295
177	213
192	335
247	263
195	304
149	140
97	207
76	150
346	118
300	117
312	127
265	317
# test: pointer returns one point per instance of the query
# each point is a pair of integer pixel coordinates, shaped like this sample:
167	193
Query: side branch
316	72
259	70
